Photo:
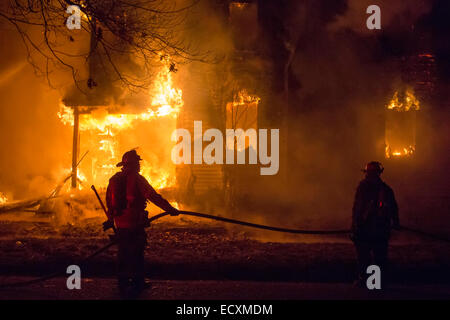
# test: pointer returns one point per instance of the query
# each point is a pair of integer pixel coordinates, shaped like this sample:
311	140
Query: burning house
229	94
338	95
402	111
223	75
106	130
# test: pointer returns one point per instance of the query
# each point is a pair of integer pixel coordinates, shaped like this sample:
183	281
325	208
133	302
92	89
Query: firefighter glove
108	224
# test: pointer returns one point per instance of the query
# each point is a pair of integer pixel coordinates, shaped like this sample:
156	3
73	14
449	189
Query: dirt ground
194	251
105	289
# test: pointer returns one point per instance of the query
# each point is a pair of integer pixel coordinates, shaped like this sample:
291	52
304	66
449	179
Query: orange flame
242	113
404	147
103	127
409	102
243	98
3	198
399	153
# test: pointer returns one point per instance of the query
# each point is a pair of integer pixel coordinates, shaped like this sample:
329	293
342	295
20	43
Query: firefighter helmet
374	166
129	157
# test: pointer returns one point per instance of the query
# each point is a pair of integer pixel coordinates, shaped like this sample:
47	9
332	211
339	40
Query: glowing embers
400	128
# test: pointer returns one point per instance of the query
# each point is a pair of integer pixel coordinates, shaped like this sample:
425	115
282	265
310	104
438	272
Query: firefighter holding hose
126	199
375	213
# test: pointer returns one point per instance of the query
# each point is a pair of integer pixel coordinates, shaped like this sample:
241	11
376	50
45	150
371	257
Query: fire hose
206	216
249	224
286	230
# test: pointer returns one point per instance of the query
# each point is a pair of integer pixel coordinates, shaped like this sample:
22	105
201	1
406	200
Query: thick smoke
34	143
341	78
393	14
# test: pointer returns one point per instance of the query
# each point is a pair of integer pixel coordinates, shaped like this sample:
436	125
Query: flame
242	113
102	129
403	137
243	98
81	179
158	179
3	198
175	204
405	152
239	5
409	102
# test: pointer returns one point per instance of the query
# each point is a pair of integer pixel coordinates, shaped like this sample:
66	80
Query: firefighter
126	199
375	213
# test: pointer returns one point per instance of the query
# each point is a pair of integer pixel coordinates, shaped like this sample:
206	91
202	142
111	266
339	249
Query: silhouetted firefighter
375	212
126	199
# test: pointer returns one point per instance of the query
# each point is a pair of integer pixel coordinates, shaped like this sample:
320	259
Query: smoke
341	77
397	14
32	139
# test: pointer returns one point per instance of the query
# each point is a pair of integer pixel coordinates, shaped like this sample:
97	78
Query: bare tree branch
143	30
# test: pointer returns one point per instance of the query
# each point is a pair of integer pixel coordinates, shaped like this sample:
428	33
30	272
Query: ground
105	288
197	259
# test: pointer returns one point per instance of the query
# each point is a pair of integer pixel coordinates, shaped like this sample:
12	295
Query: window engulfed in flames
400	135
242	113
106	136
